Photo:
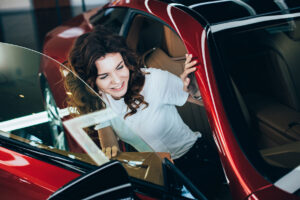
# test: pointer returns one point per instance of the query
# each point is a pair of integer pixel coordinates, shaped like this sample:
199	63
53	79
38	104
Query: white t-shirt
159	125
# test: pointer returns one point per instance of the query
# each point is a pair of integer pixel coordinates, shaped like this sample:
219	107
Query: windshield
44	105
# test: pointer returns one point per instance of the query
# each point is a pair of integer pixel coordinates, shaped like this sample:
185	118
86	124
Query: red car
247	77
48	152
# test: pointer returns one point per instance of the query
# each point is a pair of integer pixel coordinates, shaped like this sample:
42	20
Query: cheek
125	73
102	84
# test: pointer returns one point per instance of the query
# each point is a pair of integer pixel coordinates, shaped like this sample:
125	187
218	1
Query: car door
162	43
33	152
45	146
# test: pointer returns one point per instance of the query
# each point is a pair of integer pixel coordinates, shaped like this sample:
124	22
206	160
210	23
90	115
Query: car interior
160	47
263	66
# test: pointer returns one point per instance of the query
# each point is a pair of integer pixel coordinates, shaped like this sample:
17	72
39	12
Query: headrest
173	44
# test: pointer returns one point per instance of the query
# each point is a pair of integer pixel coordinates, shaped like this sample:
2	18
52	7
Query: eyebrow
115	68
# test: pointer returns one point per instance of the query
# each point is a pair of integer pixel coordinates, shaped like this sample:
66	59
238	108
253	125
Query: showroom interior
26	22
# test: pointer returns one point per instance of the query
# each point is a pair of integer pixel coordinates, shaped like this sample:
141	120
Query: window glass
28	110
36	109
111	18
263	67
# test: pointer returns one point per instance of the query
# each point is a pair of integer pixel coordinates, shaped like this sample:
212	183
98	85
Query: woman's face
113	75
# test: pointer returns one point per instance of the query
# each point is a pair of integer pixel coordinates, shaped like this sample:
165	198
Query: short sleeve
169	88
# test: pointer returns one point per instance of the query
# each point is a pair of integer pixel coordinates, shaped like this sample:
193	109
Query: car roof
217	11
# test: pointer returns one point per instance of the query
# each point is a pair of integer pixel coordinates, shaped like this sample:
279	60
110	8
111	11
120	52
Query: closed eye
120	67
103	76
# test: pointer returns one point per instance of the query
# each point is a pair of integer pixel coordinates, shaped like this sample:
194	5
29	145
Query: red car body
23	177
244	180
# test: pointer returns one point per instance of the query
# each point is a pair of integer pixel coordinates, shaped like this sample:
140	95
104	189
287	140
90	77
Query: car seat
170	56
267	78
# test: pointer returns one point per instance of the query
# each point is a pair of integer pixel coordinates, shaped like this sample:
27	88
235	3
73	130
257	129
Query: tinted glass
227	10
49	108
263	68
36	110
111	18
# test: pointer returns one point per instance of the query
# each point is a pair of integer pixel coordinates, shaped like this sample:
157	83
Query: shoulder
154	73
155	80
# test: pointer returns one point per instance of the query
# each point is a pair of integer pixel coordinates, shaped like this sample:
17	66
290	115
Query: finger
108	152
188	58
190	64
188	71
114	151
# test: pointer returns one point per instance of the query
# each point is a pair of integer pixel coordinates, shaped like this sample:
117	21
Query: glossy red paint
144	197
272	193
193	34
64	35
243	178
14	187
57	45
30	177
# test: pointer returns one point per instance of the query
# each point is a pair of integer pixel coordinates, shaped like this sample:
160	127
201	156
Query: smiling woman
145	98
92	59
113	81
103	60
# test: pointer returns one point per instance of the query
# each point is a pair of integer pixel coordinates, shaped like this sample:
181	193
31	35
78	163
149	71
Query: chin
118	95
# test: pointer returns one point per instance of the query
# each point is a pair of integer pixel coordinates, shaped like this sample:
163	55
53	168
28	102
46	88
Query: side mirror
110	181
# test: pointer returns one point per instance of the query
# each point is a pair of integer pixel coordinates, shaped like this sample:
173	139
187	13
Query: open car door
59	146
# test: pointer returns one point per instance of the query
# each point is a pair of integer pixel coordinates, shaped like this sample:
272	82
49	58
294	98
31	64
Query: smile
118	88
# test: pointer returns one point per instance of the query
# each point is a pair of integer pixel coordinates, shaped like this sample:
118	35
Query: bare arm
108	142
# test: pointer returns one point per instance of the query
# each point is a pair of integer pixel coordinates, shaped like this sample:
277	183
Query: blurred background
26	22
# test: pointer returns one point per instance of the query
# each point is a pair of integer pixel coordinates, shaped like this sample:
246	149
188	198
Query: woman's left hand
111	152
189	67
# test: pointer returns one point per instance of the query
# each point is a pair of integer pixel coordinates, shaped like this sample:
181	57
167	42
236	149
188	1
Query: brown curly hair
91	46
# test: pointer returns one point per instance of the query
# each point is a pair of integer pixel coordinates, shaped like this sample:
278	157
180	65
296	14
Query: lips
118	88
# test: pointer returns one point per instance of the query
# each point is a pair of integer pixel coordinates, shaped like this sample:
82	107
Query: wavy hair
91	46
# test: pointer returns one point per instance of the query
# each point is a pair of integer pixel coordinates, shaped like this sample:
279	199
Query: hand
189	67
110	152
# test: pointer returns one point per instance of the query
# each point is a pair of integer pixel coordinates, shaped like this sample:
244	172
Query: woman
144	97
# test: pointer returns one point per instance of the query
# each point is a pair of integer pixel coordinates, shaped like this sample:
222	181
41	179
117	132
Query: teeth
118	87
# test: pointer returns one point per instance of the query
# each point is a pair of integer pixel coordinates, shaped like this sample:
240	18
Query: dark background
26	22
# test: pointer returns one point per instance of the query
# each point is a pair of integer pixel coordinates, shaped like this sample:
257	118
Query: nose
115	78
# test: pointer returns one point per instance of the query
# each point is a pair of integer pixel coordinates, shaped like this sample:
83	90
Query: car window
112	18
36	111
263	68
28	110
